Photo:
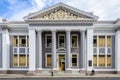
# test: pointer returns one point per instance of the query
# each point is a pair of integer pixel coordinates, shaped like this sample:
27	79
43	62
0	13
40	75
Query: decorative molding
60	6
60	15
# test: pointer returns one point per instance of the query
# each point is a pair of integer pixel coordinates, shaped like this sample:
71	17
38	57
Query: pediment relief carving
59	15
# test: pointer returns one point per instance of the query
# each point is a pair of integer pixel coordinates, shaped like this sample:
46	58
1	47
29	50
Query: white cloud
104	9
101	8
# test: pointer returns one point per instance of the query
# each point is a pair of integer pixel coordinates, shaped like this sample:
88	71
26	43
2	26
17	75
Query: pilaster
32	52
117	51
89	53
5	51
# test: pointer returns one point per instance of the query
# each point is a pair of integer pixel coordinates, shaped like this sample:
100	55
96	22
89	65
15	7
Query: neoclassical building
60	38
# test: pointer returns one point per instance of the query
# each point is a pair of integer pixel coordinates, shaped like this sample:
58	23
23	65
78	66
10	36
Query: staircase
57	74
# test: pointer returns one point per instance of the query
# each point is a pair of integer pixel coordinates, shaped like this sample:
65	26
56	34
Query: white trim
21	69
77	60
64	40
71	40
103	34
46	40
19	33
46	59
104	69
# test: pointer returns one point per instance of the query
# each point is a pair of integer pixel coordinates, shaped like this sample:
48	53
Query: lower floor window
109	60
95	60
102	60
74	60
49	60
20	60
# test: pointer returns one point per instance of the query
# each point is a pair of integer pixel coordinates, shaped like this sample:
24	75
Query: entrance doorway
61	62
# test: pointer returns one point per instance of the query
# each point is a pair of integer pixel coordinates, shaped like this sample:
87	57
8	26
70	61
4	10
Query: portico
56	50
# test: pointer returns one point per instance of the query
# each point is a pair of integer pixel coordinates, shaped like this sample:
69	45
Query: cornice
69	22
4	25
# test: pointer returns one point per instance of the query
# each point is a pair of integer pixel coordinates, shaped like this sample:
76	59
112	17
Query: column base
39	71
68	70
82	71
30	73
55	70
3	71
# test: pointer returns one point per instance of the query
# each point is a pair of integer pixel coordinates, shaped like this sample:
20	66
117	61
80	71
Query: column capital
68	30
82	31
40	31
53	30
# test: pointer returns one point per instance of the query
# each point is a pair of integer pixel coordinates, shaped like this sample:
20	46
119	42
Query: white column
117	51
54	60
5	50
40	49
68	47
32	50
89	46
82	48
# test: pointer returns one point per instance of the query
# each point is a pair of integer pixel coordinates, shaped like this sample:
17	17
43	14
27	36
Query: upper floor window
74	41
109	41
15	41
101	41
48	41
20	41
61	41
95	41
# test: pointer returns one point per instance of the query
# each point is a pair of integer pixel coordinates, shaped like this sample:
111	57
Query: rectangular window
15	41
95	60
49	41
104	56
61	41
27	60
102	60
74	60
95	41
74	40
22	60
49	60
22	41
27	41
109	60
15	60
101	41
109	41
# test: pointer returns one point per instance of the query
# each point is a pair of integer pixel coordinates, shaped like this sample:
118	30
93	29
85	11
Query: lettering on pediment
59	15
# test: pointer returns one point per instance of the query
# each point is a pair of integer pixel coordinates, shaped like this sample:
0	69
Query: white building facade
60	38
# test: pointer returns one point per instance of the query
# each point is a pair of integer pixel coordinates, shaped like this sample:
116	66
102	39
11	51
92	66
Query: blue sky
17	9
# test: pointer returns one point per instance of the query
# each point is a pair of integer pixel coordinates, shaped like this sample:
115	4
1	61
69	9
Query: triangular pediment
60	12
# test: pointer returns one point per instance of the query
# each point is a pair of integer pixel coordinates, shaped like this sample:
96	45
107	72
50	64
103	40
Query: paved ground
66	77
55	78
